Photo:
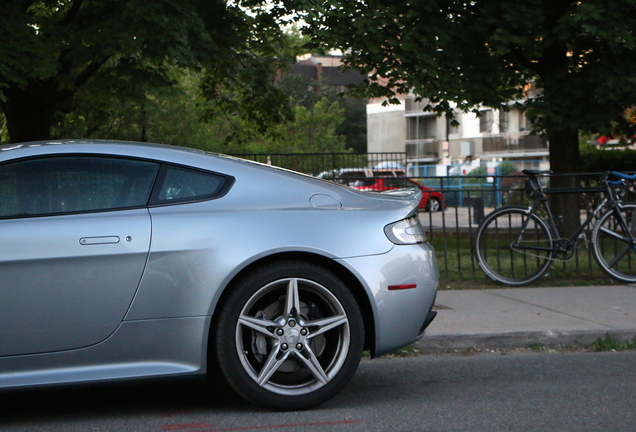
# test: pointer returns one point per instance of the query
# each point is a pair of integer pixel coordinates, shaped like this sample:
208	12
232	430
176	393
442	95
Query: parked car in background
131	260
432	200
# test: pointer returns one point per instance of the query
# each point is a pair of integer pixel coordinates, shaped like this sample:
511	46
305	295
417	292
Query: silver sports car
128	260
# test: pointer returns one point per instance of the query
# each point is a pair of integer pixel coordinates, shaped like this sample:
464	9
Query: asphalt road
514	391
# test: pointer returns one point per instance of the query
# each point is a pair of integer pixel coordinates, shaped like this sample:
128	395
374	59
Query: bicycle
515	245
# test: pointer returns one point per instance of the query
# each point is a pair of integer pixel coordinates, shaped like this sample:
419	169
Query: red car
432	200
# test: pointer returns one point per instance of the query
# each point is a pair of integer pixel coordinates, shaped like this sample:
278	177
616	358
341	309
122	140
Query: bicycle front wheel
613	243
513	247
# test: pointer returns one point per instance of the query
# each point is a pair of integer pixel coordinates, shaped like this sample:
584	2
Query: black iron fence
470	198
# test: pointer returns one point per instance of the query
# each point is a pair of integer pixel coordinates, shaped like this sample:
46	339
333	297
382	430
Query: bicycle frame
563	245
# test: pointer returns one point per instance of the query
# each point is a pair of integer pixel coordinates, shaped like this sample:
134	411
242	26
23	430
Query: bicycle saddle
529	172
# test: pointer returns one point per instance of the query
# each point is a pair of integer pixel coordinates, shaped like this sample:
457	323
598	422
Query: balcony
514	144
421	149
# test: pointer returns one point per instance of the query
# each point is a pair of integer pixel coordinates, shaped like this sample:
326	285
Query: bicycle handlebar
532	173
623	176
533	185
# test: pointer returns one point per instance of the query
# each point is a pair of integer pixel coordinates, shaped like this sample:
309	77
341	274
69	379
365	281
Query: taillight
406	231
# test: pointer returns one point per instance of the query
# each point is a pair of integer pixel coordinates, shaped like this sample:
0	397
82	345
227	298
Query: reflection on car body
127	260
352	176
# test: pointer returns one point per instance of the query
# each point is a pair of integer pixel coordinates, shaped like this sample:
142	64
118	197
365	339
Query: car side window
365	182
394	183
72	184
180	184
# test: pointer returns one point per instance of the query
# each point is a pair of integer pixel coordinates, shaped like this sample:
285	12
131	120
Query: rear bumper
400	315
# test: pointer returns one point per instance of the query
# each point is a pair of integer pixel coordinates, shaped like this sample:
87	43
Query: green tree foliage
313	131
174	115
169	115
354	125
51	49
597	161
462	54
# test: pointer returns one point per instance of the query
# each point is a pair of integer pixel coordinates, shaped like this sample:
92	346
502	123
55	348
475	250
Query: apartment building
435	147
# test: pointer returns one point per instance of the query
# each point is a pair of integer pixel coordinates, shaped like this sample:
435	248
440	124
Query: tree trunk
27	123
564	140
565	159
29	110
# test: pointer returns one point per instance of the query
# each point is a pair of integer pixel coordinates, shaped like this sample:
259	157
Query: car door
74	239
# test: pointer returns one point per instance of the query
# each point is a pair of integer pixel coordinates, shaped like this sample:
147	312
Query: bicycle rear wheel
513	247
613	248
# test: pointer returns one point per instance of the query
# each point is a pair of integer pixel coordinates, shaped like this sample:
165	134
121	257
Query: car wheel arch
337	269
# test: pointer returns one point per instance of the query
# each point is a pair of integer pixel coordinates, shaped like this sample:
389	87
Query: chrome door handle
99	240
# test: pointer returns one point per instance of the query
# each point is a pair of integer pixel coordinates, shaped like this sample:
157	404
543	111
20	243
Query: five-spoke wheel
290	336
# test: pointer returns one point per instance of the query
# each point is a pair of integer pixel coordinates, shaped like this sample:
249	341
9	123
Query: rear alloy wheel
290	336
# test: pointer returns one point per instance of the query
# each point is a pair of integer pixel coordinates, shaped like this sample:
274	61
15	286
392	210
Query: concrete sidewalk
520	317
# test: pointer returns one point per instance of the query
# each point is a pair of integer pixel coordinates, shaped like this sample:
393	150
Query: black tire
613	250
433	205
289	354
500	242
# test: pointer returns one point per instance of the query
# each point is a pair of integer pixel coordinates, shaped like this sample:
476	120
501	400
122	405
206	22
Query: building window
513	121
454	129
524	123
421	127
485	121
505	121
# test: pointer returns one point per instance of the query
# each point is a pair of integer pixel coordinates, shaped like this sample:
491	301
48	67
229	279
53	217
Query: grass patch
605	344
609	343
407	351
537	347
